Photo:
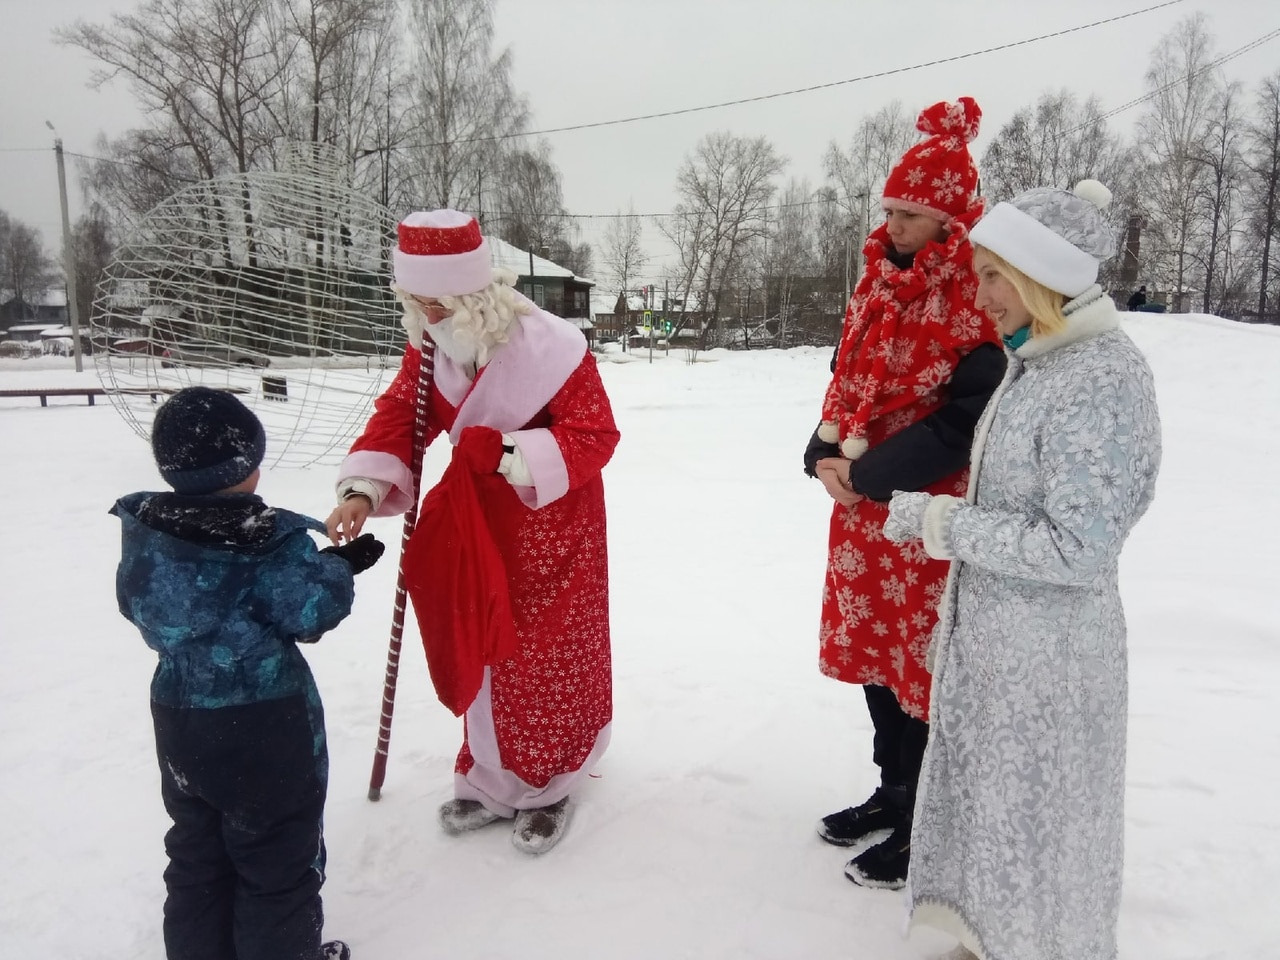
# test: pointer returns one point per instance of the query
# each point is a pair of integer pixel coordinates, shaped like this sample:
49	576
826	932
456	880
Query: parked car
209	353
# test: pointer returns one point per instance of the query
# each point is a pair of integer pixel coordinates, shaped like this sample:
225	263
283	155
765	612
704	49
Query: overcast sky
581	61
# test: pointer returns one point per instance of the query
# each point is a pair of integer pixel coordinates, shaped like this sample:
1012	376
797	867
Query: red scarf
904	333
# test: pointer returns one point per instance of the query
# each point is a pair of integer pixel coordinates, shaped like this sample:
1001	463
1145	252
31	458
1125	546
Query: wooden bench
44	393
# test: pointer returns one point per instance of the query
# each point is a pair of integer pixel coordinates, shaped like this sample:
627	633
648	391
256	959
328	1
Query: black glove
362	552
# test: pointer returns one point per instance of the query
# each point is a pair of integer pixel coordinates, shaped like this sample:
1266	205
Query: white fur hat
440	253
1056	237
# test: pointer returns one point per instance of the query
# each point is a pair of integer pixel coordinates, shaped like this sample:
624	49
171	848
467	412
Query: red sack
458	583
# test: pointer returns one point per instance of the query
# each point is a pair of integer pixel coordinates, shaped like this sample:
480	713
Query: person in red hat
507	567
916	364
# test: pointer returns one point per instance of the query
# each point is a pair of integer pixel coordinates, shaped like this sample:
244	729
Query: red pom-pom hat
937	176
440	253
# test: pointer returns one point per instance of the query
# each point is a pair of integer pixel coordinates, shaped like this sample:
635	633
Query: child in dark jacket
223	588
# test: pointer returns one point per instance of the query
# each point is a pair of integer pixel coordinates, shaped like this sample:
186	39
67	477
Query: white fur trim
443	275
1037	251
853	447
375	490
498	788
828	432
935	526
1088	315
1095	191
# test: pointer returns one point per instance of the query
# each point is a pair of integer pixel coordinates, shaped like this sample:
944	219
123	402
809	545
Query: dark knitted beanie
206	440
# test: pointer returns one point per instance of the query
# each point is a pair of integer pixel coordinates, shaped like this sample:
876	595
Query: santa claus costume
507	568
916	364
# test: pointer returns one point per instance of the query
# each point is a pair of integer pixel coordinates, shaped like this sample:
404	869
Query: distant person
1018	843
224	588
916	364
1138	299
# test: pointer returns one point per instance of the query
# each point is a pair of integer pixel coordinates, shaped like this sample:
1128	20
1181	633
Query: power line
1212	65
1128	105
790	93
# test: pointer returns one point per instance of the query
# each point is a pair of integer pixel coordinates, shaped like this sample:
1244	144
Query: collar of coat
1087	315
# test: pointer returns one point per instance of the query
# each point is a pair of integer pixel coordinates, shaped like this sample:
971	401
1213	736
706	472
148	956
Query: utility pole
68	261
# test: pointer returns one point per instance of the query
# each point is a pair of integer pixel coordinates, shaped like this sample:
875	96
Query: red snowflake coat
904	333
551	700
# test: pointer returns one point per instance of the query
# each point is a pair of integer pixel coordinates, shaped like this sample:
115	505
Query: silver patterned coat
1017	846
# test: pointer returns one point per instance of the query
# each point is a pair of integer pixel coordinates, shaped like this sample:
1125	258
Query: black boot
880	814
884	866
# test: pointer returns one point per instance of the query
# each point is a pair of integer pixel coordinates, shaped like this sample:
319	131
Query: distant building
49	309
554	288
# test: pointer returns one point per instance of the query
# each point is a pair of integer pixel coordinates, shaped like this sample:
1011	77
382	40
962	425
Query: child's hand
362	552
347	519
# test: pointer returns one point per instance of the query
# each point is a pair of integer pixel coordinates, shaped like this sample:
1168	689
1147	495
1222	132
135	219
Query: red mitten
481	448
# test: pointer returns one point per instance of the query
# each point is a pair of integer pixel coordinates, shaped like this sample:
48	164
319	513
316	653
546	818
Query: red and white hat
441	253
937	176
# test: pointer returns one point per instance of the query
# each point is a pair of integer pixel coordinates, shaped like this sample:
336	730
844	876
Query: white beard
463	354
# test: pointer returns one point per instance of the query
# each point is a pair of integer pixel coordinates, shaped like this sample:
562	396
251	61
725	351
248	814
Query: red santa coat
904	334
542	717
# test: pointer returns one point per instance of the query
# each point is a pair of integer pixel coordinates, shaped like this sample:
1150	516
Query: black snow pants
245	786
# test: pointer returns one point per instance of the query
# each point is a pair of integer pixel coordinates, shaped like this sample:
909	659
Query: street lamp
68	261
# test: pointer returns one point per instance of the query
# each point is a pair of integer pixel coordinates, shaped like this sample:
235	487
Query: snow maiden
1017	847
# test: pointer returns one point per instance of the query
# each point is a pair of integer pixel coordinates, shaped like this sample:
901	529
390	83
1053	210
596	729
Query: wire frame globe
272	285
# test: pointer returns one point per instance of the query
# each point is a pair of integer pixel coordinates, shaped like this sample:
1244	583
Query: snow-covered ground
695	840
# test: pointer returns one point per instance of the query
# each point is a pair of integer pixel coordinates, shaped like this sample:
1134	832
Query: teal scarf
1016	339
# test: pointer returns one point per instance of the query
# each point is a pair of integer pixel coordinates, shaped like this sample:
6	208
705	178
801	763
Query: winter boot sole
852	871
857	844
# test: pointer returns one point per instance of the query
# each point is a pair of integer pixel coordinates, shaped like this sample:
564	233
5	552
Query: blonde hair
1044	305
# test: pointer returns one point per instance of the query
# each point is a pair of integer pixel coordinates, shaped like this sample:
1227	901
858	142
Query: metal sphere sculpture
270	284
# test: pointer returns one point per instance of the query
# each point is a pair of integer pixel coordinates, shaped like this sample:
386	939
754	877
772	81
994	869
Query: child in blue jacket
223	588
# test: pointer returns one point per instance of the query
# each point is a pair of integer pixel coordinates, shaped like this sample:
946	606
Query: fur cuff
376	491
936	526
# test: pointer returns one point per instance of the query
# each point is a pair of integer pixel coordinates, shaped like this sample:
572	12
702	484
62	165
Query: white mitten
906	516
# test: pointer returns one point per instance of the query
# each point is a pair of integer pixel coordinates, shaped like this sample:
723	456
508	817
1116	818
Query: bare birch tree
624	256
1221	201
26	271
1056	143
725	187
859	171
530	199
464	103
1183	84
208	67
1263	159
791	248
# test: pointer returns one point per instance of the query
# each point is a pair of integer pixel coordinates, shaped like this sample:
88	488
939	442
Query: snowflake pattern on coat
551	700
1019	827
905	333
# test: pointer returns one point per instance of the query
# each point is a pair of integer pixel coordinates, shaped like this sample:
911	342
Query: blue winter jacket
225	618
